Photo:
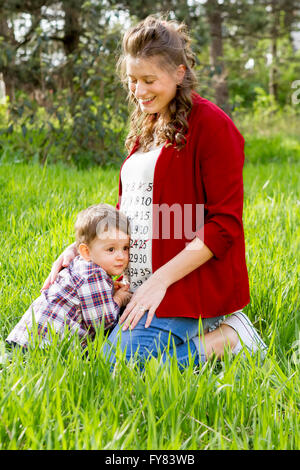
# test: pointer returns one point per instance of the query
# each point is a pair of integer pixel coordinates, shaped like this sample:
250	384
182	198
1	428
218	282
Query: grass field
59	400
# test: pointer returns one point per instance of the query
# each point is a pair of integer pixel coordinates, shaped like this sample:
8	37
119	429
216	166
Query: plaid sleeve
97	303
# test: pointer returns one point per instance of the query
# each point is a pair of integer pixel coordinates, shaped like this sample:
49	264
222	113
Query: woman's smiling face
152	86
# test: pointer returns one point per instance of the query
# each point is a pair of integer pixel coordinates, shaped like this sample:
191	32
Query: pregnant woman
181	186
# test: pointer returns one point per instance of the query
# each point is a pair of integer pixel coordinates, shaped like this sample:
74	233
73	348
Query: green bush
277	148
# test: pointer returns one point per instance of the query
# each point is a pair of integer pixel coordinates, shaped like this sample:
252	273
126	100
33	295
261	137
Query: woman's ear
180	73
84	251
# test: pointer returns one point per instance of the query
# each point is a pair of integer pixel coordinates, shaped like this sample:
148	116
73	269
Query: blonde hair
97	219
169	42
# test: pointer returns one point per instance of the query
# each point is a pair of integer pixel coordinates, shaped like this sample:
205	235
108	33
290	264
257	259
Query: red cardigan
209	171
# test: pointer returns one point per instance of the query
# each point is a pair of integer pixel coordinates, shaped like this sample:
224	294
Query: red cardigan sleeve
221	169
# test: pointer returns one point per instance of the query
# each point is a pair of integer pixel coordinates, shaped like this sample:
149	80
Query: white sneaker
248	335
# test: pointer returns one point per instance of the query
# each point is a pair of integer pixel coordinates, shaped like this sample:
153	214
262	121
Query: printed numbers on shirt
145	215
137	283
140	230
139	215
149	186
145	271
138	243
137	258
138	200
133	186
143	201
130	186
135	272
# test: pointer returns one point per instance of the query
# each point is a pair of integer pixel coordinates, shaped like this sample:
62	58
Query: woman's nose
140	91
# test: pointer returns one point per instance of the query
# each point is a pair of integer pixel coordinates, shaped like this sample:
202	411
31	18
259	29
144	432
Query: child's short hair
97	219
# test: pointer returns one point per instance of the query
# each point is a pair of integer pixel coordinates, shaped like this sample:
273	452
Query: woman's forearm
73	246
191	257
62	262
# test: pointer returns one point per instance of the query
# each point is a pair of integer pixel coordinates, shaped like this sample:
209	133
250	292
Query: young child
82	296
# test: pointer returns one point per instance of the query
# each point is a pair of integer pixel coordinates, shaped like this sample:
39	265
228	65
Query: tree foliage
58	63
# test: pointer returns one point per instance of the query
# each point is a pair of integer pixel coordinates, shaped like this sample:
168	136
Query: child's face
110	251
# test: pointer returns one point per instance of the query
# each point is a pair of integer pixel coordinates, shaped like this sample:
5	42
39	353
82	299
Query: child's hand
118	284
122	296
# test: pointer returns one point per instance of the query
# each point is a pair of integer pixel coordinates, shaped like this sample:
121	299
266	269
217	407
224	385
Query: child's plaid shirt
79	300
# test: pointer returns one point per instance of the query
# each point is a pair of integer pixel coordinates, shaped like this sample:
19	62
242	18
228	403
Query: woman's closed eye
134	82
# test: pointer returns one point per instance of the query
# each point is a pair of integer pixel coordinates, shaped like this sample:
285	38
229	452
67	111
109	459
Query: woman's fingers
127	311
150	316
146	298
57	266
136	313
133	318
67	257
52	276
46	283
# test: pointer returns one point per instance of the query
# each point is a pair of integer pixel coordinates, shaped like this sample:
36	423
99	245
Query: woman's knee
139	343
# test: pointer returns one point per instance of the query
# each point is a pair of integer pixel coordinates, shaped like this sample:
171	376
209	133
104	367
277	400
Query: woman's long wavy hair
169	42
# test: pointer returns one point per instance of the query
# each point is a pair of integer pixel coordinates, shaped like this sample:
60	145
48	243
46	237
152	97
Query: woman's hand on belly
147	297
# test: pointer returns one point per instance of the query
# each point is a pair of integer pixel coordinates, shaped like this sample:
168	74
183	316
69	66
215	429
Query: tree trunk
72	26
273	73
289	8
215	20
71	39
7	71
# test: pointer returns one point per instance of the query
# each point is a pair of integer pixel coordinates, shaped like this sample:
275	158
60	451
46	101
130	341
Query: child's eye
126	248
111	249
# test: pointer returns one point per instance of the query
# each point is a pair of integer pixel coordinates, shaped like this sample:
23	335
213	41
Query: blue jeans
163	336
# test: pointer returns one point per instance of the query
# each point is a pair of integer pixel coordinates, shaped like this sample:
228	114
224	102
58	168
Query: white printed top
137	190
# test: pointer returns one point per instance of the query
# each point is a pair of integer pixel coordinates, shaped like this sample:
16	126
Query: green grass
59	400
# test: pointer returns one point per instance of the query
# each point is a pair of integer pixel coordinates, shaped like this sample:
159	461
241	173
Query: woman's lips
145	103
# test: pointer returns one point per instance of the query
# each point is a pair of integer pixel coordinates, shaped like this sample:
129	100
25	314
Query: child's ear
84	251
